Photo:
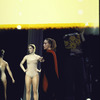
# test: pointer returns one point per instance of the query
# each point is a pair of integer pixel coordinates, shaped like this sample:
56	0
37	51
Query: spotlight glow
18	27
88	99
87	24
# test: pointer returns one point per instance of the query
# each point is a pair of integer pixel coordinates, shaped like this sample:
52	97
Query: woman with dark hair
32	76
49	74
4	65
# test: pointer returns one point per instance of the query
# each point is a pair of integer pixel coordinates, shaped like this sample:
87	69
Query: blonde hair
33	46
52	42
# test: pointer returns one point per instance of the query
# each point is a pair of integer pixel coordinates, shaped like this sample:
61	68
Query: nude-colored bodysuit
3	75
32	65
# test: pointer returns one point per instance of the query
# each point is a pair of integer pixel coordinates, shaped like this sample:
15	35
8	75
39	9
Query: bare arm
21	64
41	60
10	73
81	30
82	35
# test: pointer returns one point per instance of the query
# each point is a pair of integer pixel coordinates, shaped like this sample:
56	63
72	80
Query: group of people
49	71
48	80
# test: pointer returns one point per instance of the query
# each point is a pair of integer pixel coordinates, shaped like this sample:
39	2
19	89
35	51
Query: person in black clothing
49	75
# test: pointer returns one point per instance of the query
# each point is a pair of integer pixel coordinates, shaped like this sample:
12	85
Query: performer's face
30	49
46	45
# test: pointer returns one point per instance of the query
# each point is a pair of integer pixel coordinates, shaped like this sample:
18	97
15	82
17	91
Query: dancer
4	65
32	76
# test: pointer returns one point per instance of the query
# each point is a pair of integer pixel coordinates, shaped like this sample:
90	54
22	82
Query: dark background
14	42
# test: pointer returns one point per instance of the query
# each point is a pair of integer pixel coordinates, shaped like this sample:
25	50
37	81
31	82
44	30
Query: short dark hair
2	53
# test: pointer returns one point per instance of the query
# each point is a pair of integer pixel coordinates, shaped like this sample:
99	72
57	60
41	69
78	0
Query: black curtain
14	42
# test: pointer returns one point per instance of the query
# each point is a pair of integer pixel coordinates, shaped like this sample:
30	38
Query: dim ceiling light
19	27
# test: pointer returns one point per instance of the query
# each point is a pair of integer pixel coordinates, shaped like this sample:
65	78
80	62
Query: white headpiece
34	47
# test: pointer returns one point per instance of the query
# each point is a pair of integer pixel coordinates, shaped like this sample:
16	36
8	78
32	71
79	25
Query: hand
41	59
39	70
26	70
13	81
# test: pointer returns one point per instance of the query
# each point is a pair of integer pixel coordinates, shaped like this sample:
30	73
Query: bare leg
5	88
28	82
35	82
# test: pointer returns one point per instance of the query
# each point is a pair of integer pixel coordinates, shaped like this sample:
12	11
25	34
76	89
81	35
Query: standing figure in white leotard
4	65
32	76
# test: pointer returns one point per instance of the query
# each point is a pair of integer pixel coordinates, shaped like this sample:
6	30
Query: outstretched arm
10	73
41	60
82	35
81	30
21	64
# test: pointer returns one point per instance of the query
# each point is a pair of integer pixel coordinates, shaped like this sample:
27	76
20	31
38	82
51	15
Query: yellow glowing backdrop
49	12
